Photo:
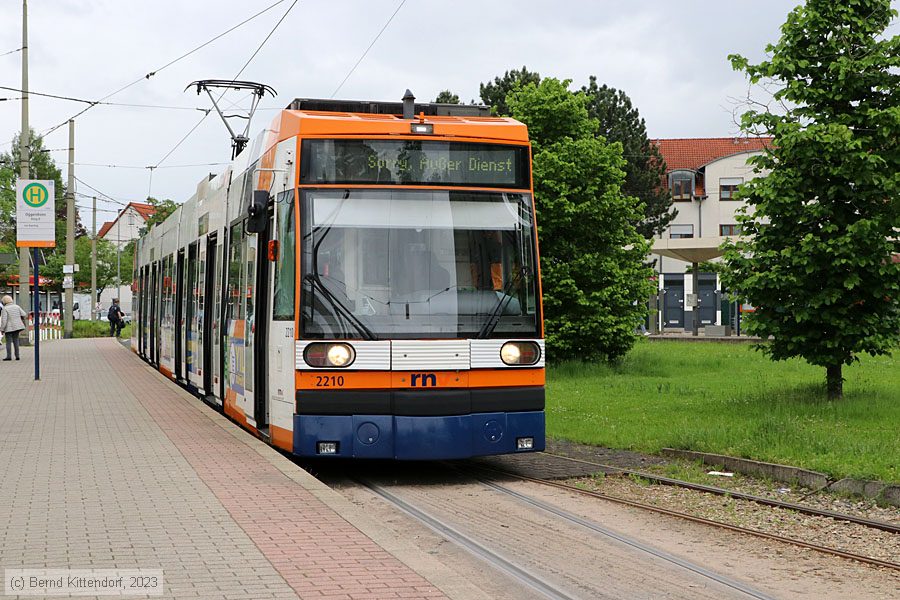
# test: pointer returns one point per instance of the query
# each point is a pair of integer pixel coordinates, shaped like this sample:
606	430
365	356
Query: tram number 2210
329	381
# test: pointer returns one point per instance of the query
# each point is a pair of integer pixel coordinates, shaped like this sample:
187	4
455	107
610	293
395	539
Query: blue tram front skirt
418	437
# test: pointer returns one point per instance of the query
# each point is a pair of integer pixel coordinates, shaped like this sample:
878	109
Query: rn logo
423	380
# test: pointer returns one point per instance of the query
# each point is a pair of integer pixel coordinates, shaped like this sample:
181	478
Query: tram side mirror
256	213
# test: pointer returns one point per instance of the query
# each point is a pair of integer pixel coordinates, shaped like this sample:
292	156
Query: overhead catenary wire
101	199
12	51
107	196
337	89
213	164
97	102
99	210
246	64
169	64
33	93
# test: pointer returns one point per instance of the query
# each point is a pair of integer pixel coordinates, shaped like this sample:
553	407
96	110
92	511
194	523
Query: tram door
193	312
208	304
219	321
179	316
154	314
255	341
137	318
246	319
261	333
146	294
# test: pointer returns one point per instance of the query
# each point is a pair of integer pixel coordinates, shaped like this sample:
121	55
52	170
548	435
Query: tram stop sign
35	213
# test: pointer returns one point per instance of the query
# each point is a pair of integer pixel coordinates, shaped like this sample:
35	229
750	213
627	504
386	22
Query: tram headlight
329	355
520	353
340	355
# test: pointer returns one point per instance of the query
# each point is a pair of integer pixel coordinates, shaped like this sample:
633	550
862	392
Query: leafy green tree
447	97
164	208
823	223
494	93
126	262
106	265
42	166
645	167
594	279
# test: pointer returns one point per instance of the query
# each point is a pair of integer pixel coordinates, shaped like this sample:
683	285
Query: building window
725	230
682	185
728	187
681	231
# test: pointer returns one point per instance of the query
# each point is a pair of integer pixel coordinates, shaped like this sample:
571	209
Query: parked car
127	317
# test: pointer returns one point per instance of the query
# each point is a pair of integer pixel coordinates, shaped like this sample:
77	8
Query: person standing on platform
116	318
13	321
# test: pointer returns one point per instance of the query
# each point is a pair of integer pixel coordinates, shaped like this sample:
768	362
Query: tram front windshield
381	264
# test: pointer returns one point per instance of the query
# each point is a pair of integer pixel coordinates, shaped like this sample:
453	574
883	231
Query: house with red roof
127	226
703	175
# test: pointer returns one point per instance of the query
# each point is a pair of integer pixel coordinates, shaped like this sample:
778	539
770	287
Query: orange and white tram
362	281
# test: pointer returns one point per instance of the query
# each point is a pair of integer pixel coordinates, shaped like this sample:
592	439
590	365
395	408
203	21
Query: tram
362	281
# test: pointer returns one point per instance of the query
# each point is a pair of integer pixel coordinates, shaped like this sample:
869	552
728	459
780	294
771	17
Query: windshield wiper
339	309
316	282
494	318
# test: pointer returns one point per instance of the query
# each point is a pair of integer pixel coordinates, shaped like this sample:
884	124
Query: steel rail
629	541
701	520
530	580
808	510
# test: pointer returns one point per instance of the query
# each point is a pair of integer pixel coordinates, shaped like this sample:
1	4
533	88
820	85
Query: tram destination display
414	162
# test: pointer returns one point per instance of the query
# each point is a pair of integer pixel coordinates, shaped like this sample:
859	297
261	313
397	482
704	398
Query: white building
127	226
703	175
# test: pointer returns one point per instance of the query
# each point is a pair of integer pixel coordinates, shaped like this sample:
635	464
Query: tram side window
168	319
248	179
283	307
235	305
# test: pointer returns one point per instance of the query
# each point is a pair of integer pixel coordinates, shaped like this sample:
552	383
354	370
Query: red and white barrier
50	326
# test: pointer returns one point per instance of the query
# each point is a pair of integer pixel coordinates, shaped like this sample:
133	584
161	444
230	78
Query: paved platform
105	464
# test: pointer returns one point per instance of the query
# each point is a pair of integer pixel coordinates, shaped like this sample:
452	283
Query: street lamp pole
70	236
94	316
24	158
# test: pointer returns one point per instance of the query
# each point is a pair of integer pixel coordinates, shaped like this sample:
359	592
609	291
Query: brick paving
104	464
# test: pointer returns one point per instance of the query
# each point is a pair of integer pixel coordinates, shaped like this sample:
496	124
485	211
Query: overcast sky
669	57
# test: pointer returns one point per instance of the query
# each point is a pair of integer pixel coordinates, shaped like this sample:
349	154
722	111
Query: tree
164	208
106	265
447	97
823	227
494	93
645	167
42	166
594	279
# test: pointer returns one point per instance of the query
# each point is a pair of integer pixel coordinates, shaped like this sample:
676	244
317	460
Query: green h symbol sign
35	195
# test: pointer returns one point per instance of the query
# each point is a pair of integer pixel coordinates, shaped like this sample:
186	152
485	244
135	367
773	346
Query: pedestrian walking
13	322
116	318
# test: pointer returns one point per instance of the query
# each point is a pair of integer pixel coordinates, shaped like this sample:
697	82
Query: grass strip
729	399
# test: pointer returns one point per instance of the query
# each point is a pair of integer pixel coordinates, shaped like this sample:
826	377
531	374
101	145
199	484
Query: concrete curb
883	492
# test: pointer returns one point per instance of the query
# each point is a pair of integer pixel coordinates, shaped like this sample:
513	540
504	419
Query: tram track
699	487
527	576
684	516
487	555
